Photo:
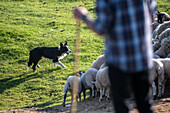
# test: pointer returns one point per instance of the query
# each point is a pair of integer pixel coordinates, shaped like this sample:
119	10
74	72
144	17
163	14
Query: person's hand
79	12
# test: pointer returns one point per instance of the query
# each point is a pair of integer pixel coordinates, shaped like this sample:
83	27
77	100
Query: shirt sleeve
102	17
153	8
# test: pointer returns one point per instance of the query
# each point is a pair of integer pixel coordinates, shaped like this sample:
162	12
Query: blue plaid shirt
126	25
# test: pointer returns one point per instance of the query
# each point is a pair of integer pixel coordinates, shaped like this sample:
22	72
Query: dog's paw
38	66
34	70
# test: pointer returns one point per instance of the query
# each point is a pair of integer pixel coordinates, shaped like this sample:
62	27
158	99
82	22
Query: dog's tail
30	61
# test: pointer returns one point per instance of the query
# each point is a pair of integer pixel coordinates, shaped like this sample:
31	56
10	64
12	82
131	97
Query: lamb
166	63
163	35
86	78
157	71
69	87
98	62
164	50
160	29
102	82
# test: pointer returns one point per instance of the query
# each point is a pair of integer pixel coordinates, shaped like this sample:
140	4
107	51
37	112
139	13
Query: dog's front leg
60	64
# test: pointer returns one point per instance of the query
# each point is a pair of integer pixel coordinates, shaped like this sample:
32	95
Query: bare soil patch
92	105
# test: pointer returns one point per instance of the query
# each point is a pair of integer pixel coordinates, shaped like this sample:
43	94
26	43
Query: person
126	27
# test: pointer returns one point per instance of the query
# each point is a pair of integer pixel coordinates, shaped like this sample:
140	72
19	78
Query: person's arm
153	7
81	13
99	25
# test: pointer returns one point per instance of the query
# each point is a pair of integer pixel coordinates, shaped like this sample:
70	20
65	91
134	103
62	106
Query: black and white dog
54	53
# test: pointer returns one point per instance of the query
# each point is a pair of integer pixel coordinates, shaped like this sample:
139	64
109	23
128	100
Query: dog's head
64	48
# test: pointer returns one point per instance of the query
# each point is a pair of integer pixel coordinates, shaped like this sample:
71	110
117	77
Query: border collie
54	53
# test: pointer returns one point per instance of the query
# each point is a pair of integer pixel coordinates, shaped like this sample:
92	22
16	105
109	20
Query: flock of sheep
97	76
161	47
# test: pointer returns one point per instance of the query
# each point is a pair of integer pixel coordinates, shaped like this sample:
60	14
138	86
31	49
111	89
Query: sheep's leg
93	95
98	93
108	94
101	93
90	92
163	87
80	97
84	94
64	99
154	90
159	88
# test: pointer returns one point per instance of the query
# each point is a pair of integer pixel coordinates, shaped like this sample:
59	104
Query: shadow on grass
43	105
8	83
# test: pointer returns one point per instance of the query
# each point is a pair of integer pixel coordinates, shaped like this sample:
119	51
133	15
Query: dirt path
92	105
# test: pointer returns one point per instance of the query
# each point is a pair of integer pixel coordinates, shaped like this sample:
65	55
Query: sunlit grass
26	24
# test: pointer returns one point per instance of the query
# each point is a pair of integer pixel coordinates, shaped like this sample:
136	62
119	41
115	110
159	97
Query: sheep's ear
158	12
80	74
61	45
93	82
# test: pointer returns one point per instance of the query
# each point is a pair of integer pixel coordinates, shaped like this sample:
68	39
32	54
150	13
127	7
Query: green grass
26	24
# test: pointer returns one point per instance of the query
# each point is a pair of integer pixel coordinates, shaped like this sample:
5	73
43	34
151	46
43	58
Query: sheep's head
165	43
162	16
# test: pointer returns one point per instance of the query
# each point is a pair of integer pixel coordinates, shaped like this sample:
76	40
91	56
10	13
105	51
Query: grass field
26	24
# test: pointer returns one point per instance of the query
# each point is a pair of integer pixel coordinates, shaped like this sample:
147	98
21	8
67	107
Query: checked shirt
126	25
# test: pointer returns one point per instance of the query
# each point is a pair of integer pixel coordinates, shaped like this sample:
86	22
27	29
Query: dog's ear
65	43
61	45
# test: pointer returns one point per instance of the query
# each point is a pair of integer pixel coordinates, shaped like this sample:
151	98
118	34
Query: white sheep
103	66
155	24
69	87
166	63
160	29
157	42
86	78
98	62
156	46
168	56
164	50
157	71
164	34
103	82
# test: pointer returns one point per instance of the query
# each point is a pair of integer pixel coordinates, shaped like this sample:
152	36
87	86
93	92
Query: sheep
102	82
160	29
164	50
103	65
168	56
69	87
156	46
154	25
162	16
98	62
86	78
157	42
166	64
164	34
157	71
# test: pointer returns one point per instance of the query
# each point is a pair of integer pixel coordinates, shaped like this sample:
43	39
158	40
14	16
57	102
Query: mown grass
26	24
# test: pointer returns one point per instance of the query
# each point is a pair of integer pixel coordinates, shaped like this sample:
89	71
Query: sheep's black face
64	48
160	17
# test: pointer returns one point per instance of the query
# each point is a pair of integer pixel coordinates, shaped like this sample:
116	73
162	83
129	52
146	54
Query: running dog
54	53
